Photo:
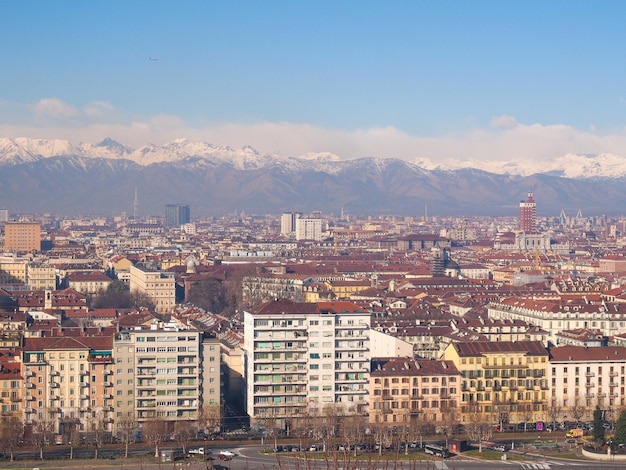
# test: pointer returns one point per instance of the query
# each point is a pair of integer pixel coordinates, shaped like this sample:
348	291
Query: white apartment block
158	373
302	357
582	377
558	315
159	286
309	229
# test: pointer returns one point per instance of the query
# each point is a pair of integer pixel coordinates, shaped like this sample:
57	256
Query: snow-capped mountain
59	177
22	150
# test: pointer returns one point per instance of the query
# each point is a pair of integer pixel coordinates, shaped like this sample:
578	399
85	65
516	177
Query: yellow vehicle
575	433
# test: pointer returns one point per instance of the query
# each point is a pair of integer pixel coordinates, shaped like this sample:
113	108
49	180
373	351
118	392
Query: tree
11	432
478	427
155	432
183	432
126	429
43	431
579	409
555	410
620	429
208	294
598	425
210	417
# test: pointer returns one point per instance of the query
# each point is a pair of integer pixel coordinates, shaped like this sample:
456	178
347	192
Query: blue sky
483	80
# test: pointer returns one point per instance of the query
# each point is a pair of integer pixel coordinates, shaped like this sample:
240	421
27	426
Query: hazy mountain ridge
214	180
22	150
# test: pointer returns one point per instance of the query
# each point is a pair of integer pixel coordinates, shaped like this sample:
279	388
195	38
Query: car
227	453
198	451
500	448
225	457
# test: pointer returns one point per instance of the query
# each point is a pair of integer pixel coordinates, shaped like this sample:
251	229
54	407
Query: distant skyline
482	80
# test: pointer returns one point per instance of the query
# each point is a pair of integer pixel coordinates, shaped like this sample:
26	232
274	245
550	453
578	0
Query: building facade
159	373
177	215
502	382
405	390
527	214
22	236
159	286
300	358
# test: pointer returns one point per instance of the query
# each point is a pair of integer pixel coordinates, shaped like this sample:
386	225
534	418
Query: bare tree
155	431
579	408
183	431
126	428
11	432
555	411
353	431
43	431
479	427
210	417
449	422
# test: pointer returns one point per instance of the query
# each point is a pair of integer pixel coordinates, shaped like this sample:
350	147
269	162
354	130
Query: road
249	457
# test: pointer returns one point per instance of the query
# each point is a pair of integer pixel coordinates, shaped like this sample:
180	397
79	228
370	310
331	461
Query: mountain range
56	176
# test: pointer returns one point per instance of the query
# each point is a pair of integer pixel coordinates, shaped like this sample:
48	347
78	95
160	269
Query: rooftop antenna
136	205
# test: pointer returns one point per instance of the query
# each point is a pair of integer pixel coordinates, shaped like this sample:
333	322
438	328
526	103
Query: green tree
598	425
620	429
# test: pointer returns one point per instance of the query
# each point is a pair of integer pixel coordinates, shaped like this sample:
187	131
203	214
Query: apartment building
22	236
557	315
404	390
88	283
158	373
69	384
159	286
582	377
301	357
503	382
11	384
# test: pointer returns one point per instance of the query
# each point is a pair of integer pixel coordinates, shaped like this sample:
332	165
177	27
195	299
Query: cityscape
309	325
313	235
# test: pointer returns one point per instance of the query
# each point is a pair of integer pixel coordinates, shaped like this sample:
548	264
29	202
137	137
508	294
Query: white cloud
504	139
53	108
98	108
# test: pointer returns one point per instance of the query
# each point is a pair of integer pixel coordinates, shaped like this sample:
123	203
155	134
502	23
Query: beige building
404	390
69	384
582	377
22	236
158	373
88	283
159	286
503	382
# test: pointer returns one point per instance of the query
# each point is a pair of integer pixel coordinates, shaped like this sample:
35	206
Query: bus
436	450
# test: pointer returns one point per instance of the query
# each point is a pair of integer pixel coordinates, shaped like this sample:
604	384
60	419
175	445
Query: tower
136	206
527	214
177	215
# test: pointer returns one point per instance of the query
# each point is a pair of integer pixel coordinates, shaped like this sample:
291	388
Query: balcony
108	384
31	410
84	372
84	409
590	374
107	396
613	384
30	385
108	372
613	374
84	397
83	384
54	385
30	398
55	373
29	373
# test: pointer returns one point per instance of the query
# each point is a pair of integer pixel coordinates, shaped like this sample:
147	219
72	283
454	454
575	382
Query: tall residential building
159	286
4	215
288	223
22	236
69	384
177	215
309	229
301	358
527	214
158	373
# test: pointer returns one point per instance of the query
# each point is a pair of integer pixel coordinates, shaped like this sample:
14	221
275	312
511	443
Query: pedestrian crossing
543	465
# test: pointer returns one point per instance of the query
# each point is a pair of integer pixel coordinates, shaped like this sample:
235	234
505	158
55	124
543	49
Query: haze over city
440	81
